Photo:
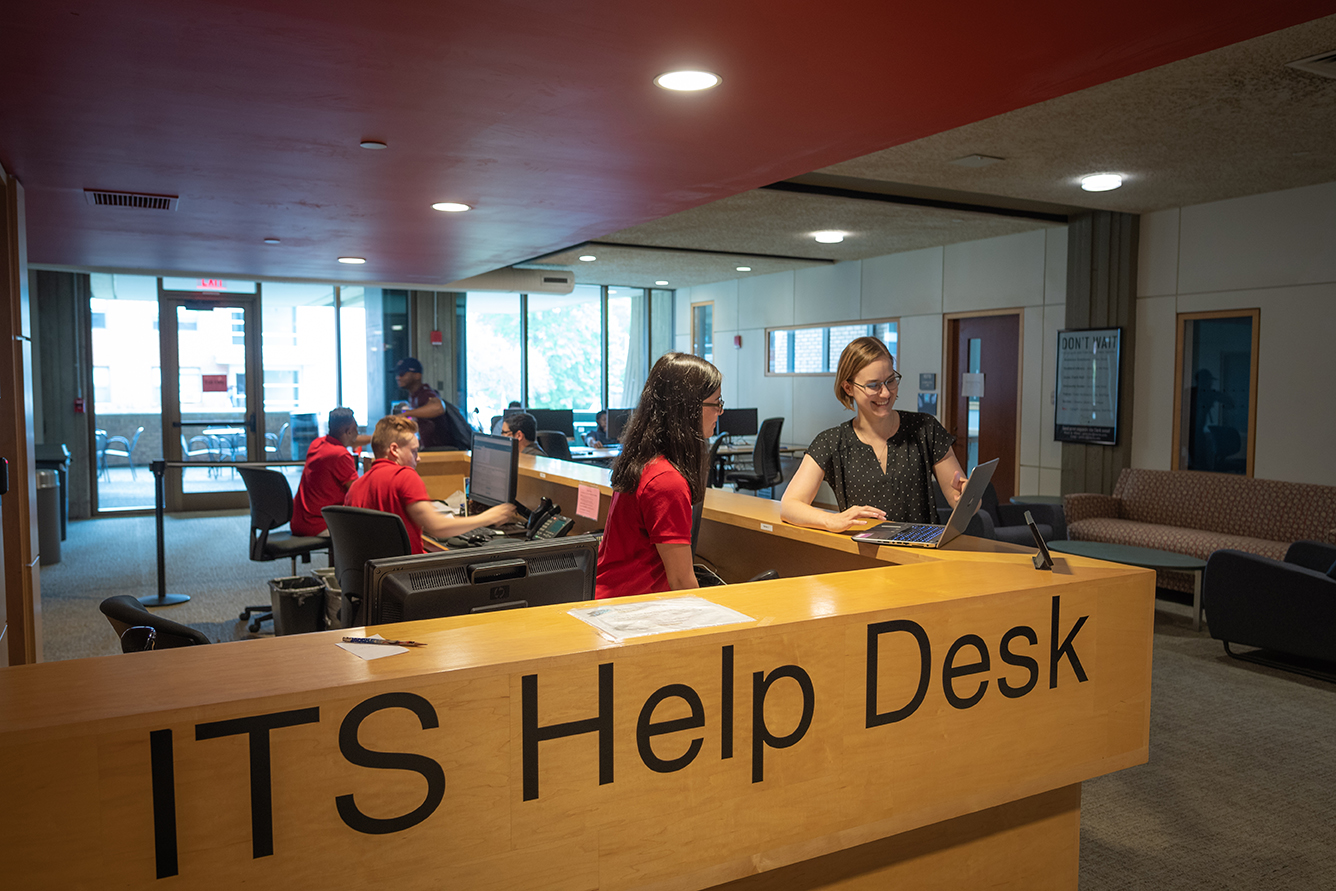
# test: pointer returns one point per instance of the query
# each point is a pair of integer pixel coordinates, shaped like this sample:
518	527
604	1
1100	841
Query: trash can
48	517
299	604
333	595
56	456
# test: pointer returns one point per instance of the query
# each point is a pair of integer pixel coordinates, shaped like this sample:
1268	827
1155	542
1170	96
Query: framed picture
1086	401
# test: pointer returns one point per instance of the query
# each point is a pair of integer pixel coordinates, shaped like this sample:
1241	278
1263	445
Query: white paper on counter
621	621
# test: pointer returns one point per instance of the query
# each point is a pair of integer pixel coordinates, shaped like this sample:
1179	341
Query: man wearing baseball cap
424	404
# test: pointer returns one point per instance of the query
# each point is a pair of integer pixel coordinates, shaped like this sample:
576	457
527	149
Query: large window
565	341
300	360
816	350
565	349
1215	402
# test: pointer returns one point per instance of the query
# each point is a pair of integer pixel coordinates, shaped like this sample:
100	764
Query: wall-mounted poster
1087	395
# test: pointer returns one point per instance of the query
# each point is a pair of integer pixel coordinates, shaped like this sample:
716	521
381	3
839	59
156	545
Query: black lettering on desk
358	754
257	727
761	735
647	728
534	734
874	633
163	771
1031	665
726	704
1068	649
951	671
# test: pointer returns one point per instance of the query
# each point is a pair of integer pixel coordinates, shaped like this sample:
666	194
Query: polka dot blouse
904	491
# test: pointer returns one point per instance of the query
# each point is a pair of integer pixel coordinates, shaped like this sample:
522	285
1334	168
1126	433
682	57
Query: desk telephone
547	522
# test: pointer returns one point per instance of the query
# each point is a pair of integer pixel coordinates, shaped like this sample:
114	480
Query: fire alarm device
436	339
78	405
737	341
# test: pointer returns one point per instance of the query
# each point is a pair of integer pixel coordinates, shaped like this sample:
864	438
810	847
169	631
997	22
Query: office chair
359	534
274	441
271	507
554	443
766	472
706	577
714	471
120	447
125	612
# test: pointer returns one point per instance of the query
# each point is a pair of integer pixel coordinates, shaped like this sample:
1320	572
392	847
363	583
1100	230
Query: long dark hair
667	422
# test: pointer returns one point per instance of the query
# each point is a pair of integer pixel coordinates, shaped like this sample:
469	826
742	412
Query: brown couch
1196	513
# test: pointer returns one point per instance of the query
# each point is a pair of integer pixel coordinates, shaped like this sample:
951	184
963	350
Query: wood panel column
18	513
1101	293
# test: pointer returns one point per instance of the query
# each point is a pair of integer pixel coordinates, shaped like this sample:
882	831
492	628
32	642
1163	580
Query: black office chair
133	623
358	535
714	473
554	443
271	507
766	472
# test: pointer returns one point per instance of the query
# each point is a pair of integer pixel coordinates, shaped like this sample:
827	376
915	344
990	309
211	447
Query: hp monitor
559	419
460	582
738	421
618	418
493	470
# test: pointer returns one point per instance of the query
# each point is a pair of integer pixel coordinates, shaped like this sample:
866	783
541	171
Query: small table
1147	558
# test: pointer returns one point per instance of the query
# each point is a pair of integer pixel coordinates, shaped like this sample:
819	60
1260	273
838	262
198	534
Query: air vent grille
436	578
560	563
555	279
103	198
1323	64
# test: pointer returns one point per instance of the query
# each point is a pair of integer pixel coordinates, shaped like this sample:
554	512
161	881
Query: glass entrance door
210	395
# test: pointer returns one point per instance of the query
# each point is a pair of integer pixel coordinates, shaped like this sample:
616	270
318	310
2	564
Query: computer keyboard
919	532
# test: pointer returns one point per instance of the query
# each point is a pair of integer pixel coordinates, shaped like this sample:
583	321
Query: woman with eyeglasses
660	473
880	463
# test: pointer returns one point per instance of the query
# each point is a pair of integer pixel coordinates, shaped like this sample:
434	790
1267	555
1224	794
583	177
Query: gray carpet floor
1239	792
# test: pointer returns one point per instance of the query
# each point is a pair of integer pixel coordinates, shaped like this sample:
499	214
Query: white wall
1275	252
1026	271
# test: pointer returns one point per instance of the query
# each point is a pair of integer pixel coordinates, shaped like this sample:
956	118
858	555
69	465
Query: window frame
765	353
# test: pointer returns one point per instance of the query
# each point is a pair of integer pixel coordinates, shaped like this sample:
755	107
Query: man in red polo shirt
330	469
392	484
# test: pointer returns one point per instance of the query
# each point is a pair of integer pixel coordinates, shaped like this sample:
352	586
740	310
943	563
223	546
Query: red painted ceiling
541	114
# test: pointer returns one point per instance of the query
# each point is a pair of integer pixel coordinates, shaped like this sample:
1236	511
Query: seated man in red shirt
392	484
330	469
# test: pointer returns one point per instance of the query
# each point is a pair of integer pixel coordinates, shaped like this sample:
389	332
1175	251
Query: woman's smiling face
873	404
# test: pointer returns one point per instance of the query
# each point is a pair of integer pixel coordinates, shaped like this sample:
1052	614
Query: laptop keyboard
919	533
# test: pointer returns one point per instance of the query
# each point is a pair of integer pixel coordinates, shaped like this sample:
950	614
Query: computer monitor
508	575
493	469
559	419
618	418
738	421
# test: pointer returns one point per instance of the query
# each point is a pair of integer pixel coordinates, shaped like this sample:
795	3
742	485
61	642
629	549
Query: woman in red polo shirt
658	476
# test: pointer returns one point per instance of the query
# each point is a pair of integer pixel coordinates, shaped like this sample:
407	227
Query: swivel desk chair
360	534
271	507
554	443
766	472
125	612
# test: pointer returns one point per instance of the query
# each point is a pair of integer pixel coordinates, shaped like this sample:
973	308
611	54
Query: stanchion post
159	468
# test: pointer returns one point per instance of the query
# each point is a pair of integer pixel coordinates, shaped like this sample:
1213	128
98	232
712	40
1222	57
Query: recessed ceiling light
687	81
450	207
744	269
588	258
271	241
661	282
373	144
1101	182
353	261
830	237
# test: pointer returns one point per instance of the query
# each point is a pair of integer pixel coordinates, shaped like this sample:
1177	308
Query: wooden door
985	427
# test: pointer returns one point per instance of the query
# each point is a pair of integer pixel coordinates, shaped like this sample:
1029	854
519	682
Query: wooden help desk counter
926	724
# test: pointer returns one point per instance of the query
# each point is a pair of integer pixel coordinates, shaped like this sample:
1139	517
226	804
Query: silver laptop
932	535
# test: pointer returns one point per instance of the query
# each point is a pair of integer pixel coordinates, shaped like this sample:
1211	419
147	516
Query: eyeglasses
717	406
876	386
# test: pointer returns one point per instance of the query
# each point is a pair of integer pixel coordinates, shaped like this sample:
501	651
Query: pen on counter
389	643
